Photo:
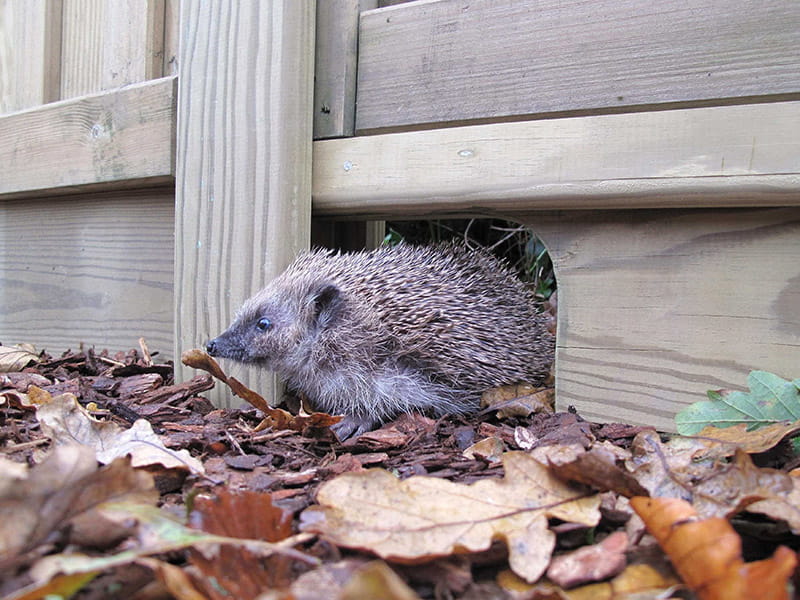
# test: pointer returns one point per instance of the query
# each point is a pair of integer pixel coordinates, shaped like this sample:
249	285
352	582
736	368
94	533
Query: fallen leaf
326	581
65	421
707	553
731	488
16	399
176	580
274	417
377	580
68	483
752	442
635	582
668	470
518	400
771	399
234	570
715	486
590	563
61	586
598	468
16	358
490	449
783	507
423	517
157	533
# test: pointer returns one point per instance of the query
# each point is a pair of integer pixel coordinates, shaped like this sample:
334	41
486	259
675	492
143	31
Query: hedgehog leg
352	426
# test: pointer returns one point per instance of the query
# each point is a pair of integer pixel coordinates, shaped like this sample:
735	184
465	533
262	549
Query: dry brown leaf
598	468
235	570
16	399
65	421
377	580
518	400
717	487
707	553
244	514
635	582
490	449
16	358
782	507
590	563
176	580
734	486
424	517
326	581
274	417
752	442
657	466
66	484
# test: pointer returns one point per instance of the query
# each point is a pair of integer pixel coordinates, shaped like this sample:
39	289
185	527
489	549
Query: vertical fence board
171	36
335	66
243	193
30	53
110	44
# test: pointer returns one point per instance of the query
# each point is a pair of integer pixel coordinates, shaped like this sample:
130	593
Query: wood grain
243	196
721	156
88	269
107	45
445	61
171	36
336	57
125	137
30	53
658	306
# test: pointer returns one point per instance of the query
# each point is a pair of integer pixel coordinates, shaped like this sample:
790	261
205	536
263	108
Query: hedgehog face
278	327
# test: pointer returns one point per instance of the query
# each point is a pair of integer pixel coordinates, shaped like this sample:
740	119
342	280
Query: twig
25	445
146	357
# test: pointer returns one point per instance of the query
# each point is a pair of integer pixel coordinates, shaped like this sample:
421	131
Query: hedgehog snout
211	347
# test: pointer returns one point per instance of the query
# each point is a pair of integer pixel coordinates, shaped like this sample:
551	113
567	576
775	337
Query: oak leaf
377	580
752	442
65	421
16	358
34	502
157	532
518	400
771	399
785	507
423	517
717	488
707	554
231	571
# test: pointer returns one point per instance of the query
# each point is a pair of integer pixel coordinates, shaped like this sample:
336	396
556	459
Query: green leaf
771	399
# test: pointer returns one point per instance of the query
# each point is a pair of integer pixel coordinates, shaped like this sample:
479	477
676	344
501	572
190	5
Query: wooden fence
147	186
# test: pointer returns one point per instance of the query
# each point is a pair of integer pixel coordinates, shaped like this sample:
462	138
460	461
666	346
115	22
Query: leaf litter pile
116	482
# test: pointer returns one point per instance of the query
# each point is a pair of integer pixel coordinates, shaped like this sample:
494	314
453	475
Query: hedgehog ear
326	300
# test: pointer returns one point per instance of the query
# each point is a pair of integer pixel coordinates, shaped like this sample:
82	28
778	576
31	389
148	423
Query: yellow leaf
377	580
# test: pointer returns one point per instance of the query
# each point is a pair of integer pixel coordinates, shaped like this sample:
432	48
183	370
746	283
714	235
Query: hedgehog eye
263	324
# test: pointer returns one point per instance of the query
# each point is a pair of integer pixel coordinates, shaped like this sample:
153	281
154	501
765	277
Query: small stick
146	357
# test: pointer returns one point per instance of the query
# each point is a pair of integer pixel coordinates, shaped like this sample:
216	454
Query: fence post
243	170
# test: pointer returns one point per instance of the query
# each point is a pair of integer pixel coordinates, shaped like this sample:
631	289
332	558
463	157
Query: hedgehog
374	334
